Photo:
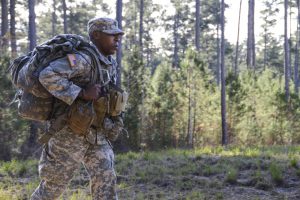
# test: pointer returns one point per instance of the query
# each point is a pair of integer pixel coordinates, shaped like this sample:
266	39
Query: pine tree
251	38
65	24
4	26
296	67
119	9
237	41
13	40
286	54
32	25
54	18
197	25
223	94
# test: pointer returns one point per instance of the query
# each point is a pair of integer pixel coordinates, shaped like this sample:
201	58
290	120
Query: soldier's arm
56	77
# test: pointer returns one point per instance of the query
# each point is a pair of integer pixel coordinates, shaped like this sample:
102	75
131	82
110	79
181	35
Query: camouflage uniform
65	151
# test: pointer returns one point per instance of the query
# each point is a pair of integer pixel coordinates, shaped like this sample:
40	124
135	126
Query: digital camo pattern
34	108
65	82
113	127
106	25
57	77
64	154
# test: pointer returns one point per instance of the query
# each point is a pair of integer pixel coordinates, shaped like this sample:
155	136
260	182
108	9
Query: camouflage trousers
63	155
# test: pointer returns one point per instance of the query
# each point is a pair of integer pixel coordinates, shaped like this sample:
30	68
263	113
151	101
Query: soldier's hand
91	93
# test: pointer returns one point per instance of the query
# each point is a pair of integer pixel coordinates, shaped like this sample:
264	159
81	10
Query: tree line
191	89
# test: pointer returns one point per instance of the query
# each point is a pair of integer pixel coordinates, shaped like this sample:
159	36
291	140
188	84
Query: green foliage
17	168
149	156
77	195
12	129
195	195
211	170
134	81
276	173
160	104
270	50
294	163
231	176
258	113
298	172
167	105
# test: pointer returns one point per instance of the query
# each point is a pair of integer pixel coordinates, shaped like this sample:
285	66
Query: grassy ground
206	173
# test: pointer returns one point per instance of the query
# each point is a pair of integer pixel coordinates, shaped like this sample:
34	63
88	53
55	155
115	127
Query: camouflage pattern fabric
65	82
64	154
112	127
105	25
65	151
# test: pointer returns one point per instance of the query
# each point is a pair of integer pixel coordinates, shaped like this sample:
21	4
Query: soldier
69	80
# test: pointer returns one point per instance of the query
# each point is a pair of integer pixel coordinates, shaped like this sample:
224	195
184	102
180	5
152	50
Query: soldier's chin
114	51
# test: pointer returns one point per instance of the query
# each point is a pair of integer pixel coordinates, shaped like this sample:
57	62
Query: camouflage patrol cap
105	25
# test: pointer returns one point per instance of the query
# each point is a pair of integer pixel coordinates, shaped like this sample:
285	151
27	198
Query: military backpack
34	101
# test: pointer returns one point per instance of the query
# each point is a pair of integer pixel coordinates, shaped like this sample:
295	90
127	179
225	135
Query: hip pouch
101	108
117	102
81	116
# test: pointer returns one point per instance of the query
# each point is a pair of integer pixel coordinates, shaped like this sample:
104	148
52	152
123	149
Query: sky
231	15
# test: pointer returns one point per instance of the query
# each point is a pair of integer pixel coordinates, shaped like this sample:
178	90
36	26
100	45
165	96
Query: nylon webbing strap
45	138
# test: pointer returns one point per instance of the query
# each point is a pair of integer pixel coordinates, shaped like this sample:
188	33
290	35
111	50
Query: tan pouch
81	116
101	108
117	102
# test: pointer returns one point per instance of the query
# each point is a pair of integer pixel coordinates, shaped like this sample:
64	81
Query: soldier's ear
96	35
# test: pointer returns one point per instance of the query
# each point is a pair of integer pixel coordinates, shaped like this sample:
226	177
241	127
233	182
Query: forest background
192	89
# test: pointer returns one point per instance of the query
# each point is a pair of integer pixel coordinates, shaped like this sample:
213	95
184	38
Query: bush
231	176
294	163
276	173
16	168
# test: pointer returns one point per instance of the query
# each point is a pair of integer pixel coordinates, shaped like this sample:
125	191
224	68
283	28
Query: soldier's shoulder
78	58
83	57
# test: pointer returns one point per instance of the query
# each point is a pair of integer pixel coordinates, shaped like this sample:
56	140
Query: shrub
231	176
294	163
276	173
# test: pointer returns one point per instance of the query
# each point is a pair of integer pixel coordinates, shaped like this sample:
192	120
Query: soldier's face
107	44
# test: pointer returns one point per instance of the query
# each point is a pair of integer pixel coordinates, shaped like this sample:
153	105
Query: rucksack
34	101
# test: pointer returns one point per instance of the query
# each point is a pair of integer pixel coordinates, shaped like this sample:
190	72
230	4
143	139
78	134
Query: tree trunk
296	68
119	7
290	44
251	37
54	18
265	48
13	40
4	26
32	26
286	55
223	86
141	31
64	7
218	56
175	33
237	41
197	25
190	114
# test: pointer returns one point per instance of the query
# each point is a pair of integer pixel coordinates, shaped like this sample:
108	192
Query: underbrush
206	173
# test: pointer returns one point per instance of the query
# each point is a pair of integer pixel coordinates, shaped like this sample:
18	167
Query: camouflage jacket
64	79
